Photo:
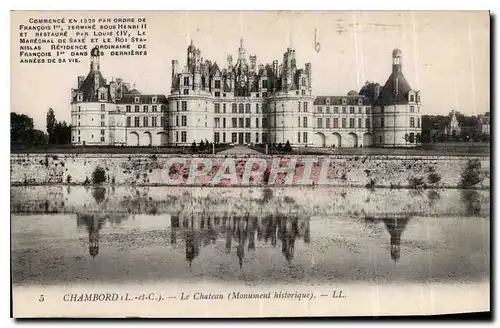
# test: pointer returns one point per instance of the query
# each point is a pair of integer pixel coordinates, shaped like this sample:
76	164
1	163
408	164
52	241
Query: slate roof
337	100
387	95
143	99
88	87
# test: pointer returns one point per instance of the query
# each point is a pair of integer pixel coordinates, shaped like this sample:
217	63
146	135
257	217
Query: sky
446	54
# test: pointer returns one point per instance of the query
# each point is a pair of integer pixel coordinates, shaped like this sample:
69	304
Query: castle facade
244	103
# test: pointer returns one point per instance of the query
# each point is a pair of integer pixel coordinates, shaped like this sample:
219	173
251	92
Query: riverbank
370	171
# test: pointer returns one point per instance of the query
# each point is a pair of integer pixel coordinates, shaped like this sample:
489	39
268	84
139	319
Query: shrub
194	148
434	178
416	182
99	175
472	174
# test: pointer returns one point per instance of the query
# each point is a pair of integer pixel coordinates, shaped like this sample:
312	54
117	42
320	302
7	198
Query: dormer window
412	98
80	97
360	102
101	94
154	100
327	101
136	100
344	101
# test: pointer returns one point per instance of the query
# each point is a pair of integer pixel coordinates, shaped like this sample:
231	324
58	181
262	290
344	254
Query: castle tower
191	55
397	110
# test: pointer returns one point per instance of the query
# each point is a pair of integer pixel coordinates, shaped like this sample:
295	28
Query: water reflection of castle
94	223
395	227
243	231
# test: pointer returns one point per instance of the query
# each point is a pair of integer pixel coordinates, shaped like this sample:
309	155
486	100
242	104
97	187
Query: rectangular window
344	123
298	121
264	125
360	123
224	108
80	108
128	108
129	121
304	122
102	132
367	123
217	84
247	137
320	123
224	137
351	110
162	121
154	109
217	94
234	122
304	137
102	139
412	122
360	110
136	121
418	122
184	106
344	110
186	80
247	122
145	121
234	108
184	120
257	109
224	122
257	137
103	123
351	123
299	106
177	105
335	110
136	108
216	122
335	123
298	137
216	137
183	136
102	117
103	107
327	110
241	109
327	122
176	136
217	108
234	137
153	121
256	122
412	109
240	121
305	107
177	121
367	109
145	108
320	109
382	122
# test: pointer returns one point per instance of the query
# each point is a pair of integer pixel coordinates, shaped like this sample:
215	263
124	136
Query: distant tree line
23	132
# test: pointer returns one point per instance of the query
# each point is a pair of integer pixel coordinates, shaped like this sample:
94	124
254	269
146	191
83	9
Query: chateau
244	103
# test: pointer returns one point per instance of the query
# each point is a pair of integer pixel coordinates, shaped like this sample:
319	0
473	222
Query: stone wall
338	170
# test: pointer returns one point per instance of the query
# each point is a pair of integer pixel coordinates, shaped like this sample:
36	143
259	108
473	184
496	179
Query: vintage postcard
250	164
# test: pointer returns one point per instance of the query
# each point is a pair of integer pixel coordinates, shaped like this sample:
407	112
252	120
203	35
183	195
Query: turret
396	61
81	78
94	59
229	62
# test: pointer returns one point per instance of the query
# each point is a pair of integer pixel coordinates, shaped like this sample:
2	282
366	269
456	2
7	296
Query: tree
51	122
288	148
194	149
201	147
418	138
62	133
411	138
21	129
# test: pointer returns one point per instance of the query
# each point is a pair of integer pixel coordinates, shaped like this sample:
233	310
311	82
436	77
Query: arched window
247	108
234	108
240	108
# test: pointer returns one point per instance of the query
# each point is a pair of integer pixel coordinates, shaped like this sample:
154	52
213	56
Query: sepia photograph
250	164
